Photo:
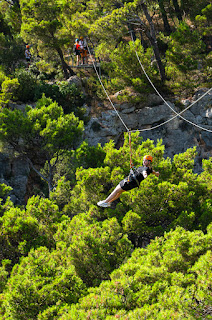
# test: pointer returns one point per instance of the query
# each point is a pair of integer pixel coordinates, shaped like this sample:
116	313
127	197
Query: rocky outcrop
177	135
14	172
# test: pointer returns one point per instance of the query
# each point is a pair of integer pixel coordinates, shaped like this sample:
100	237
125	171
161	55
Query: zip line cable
157	126
105	89
177	114
129	133
161	124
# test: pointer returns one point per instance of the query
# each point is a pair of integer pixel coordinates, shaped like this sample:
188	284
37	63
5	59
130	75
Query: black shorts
128	185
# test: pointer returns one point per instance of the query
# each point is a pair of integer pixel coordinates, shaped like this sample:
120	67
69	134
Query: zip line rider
132	181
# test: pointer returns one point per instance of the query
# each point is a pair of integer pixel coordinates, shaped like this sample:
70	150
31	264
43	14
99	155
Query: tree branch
37	171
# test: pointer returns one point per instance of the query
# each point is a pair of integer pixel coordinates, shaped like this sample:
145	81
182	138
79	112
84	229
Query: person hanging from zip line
132	181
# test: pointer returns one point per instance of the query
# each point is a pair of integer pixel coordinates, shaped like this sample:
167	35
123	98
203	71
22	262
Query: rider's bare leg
115	194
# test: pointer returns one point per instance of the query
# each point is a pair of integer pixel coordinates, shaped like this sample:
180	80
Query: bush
12	53
170	279
126	66
67	95
2	75
28	83
72	97
41	280
50	90
9	91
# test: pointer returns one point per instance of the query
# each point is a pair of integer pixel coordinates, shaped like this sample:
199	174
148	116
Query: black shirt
135	177
138	173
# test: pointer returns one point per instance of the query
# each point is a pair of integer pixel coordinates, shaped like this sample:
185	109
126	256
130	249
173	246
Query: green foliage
93	184
204	20
65	172
68	95
95	249
193	8
72	97
205	176
167	280
22	230
42	132
124	69
46	212
65	244
9	89
89	156
186	65
42	279
45	28
184	48
11	53
4	190
12	16
4	273
61	192
27	85
2	76
50	90
57	130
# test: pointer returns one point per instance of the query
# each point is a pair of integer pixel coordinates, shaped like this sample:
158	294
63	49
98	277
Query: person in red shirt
28	55
77	51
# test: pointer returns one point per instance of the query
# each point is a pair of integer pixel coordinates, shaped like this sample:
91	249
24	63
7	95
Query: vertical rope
95	68
131	163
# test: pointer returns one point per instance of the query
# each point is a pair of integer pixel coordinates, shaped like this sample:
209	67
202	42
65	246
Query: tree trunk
50	178
131	30
153	41
143	42
41	175
68	72
177	10
166	24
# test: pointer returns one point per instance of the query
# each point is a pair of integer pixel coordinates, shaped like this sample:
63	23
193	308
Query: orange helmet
148	157
27	46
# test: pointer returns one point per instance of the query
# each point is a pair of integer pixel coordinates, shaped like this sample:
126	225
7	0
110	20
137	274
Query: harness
132	172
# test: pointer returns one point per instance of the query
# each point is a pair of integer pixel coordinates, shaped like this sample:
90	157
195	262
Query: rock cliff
177	135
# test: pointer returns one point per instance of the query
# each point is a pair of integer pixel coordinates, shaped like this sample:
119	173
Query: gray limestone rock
5	166
207	138
149	116
20	167
154	100
19	183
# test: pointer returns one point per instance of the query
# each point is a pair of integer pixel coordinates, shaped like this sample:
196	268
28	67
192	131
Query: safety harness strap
133	174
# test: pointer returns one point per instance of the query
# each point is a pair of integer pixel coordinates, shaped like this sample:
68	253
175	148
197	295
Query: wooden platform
85	66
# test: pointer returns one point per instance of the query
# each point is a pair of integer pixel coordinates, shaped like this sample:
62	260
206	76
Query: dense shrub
41	280
69	96
50	90
9	90
27	85
170	279
11	53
